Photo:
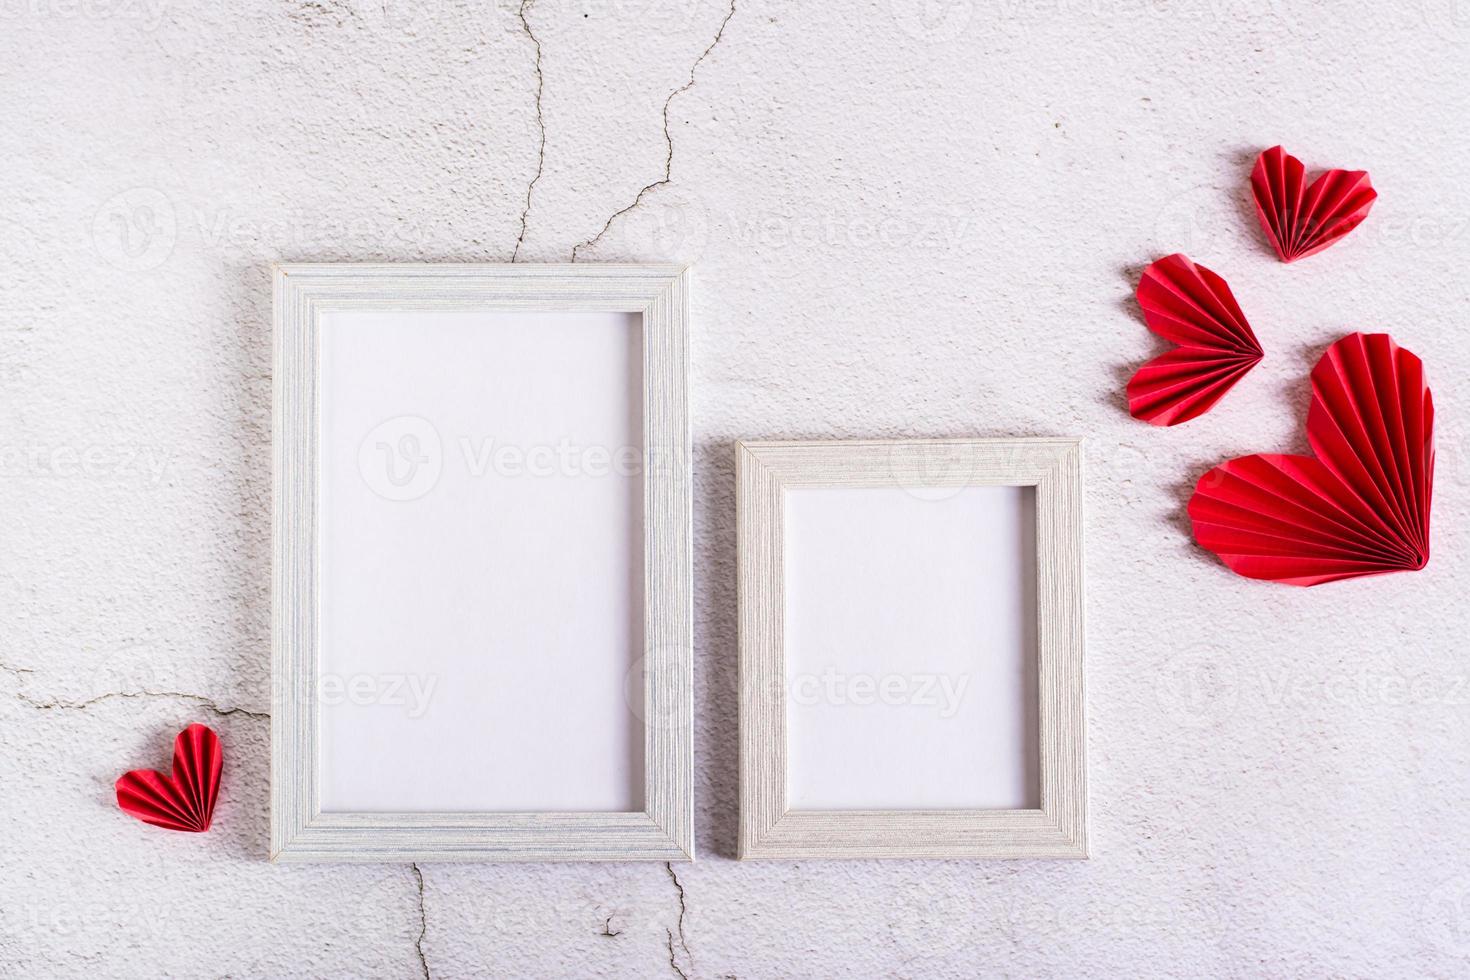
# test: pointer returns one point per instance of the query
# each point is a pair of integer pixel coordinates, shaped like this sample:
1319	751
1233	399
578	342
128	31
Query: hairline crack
668	141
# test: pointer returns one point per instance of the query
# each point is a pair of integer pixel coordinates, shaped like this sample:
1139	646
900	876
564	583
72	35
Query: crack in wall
673	962
540	122
58	704
418	944
668	140
16	671
683	942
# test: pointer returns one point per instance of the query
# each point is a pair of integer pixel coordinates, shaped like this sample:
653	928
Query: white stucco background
907	220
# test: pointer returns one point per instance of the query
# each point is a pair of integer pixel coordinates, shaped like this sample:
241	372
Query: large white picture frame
768	473
313	302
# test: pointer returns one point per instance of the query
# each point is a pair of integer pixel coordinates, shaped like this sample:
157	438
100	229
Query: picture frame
768	472
319	587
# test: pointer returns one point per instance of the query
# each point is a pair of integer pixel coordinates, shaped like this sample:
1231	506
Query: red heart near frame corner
1193	307
1360	505
185	800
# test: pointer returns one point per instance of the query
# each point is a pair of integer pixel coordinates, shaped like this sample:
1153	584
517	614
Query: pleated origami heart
185	800
1301	220
1191	306
1360	506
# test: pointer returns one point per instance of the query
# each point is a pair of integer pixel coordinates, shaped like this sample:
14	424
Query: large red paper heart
184	801
1301	220
1193	307
1360	506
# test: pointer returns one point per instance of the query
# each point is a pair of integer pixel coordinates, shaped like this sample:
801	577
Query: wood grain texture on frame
769	828
664	830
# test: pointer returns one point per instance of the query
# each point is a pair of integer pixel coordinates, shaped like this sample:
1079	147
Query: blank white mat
481	555
910	648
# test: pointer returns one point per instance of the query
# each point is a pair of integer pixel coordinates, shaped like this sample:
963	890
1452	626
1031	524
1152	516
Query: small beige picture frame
769	826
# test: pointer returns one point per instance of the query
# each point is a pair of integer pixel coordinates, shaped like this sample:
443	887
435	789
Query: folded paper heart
185	800
1301	220
1191	306
1360	506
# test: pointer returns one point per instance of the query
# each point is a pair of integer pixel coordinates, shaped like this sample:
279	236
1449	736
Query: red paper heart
1360	506
1301	220
184	801
1193	307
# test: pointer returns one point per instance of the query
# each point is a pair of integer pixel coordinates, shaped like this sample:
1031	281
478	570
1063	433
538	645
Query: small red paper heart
184	801
1193	307
1360	506
1301	220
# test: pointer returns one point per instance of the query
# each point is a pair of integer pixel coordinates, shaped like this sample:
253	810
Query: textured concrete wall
908	219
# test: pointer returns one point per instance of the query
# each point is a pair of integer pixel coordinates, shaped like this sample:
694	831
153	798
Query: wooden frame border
664	831
768	828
